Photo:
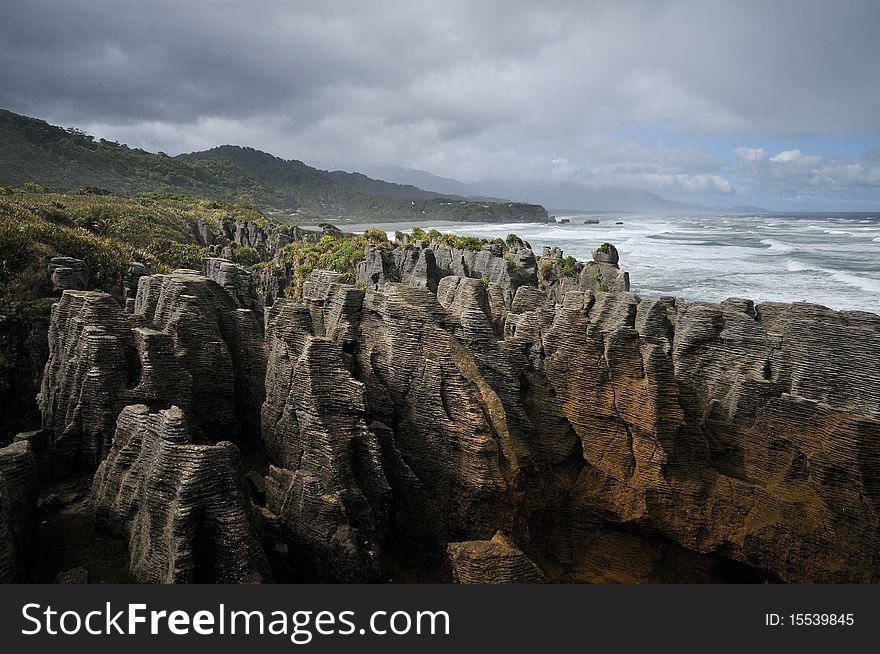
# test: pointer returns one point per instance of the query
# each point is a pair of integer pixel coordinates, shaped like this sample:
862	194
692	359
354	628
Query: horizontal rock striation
185	508
236	281
608	438
494	561
18	510
67	273
704	442
425	263
130	282
186	344
732	430
601	274
327	485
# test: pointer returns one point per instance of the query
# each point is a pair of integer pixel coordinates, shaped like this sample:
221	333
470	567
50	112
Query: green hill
318	187
67	159
31	150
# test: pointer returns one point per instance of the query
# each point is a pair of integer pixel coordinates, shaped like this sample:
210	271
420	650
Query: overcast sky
771	103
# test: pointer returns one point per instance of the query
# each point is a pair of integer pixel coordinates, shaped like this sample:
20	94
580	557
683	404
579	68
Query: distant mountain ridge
32	150
555	195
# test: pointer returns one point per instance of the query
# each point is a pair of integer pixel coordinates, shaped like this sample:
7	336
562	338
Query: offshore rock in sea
186	344
184	508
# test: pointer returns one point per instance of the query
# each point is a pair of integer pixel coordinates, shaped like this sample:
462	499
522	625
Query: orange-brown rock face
729	429
611	439
506	427
495	561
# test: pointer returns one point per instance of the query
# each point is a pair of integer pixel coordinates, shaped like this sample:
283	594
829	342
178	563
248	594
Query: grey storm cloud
558	90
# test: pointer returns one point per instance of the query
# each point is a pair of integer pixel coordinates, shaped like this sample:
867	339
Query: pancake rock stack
483	420
184	508
68	273
186	343
18	510
494	561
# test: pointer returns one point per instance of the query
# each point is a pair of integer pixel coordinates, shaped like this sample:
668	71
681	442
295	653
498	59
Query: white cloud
787	155
697	184
810	179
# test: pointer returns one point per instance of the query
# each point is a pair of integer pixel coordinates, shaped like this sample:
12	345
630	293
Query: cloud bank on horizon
769	103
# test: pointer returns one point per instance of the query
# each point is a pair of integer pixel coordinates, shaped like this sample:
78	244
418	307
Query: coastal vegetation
105	231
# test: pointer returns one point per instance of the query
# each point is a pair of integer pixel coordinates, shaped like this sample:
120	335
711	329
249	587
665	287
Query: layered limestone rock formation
412	432
18	510
23	354
327	485
495	561
264	237
408	425
185	508
186	343
67	273
615	439
731	430
425	263
131	281
602	274
236	281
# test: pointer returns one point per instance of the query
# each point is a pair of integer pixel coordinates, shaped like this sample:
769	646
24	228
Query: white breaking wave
777	247
793	265
870	284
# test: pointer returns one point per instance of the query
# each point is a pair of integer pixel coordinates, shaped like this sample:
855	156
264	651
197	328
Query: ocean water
829	259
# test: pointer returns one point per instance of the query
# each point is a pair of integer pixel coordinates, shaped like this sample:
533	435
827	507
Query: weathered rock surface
608	438
414	428
264	237
425	263
131	281
67	273
495	561
729	429
327	485
236	280
18	510
24	351
600	275
705	441
186	344
185	508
